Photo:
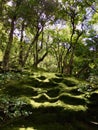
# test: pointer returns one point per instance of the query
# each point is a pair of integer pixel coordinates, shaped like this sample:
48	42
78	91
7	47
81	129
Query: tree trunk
65	67
70	65
29	49
36	55
21	46
6	56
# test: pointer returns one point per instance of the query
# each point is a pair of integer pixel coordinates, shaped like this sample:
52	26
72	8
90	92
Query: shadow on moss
93	108
69	83
75	92
53	92
42	77
72	100
19	91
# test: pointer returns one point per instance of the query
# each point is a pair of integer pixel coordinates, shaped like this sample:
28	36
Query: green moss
72	100
42	77
19	90
75	92
49	84
53	92
53	100
57	80
69	83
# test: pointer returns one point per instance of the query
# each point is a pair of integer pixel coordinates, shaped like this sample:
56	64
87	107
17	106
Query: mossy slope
53	103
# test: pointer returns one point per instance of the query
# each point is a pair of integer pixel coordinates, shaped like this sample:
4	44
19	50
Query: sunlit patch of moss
28	128
46	74
43	97
19	128
58	103
73	79
70	95
96	91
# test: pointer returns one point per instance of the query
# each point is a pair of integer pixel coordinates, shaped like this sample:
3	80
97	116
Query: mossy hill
47	101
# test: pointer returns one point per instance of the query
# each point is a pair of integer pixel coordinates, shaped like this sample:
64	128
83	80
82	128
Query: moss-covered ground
47	101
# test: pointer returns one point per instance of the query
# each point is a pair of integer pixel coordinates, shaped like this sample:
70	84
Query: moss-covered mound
41	101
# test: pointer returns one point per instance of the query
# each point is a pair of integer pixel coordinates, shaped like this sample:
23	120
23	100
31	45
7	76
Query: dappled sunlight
96	91
38	96
58	104
70	95
29	128
46	74
73	79
47	98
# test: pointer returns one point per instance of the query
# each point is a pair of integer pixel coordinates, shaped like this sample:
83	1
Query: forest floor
47	101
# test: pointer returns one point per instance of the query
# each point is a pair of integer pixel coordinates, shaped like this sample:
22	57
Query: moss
69	83
57	80
72	100
53	100
42	77
75	92
41	99
53	92
49	84
31	81
59	75
19	90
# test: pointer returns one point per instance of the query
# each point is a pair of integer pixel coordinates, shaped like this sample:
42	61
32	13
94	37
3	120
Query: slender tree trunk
29	49
37	60
70	65
36	55
21	46
65	64
71	61
58	57
6	56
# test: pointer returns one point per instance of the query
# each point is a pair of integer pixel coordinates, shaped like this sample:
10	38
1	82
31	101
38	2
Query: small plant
12	107
84	87
6	77
93	79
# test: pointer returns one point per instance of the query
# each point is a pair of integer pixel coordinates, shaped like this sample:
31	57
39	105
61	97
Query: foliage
53	29
6	77
11	108
84	87
93	79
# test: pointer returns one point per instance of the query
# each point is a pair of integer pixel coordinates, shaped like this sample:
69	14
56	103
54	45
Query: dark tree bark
6	56
39	60
36	55
21	46
29	49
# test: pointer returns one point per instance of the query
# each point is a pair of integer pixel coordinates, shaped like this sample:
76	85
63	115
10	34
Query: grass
53	102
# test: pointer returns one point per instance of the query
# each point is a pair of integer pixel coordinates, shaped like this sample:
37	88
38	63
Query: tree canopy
57	34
